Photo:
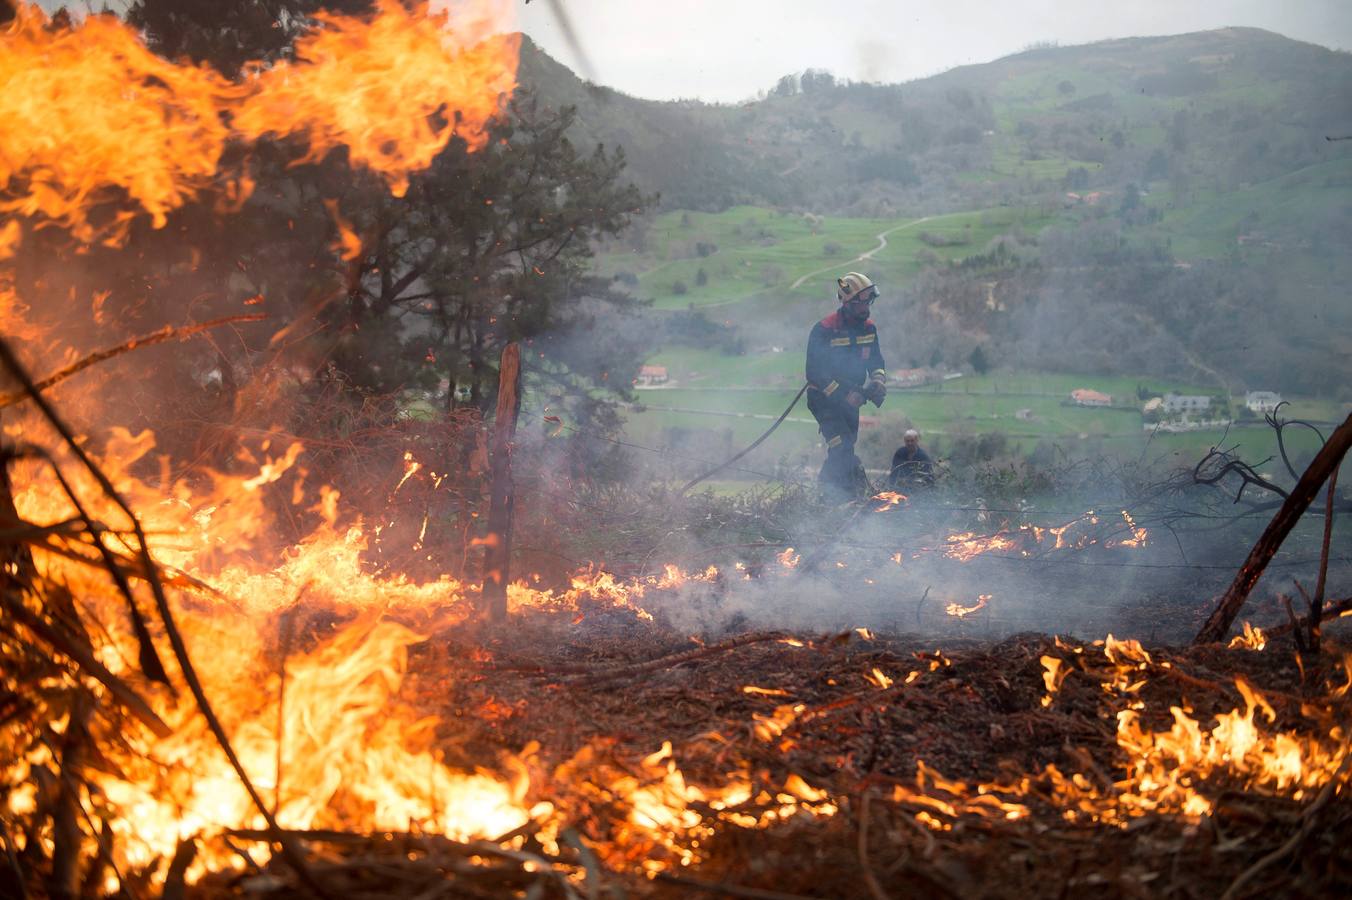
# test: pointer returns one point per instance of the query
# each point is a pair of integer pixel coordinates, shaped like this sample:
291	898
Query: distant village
1187	412
1167	412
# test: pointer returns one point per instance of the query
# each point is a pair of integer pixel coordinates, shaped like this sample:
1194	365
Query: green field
731	419
750	252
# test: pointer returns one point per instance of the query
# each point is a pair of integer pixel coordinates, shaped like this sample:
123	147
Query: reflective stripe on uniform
840	342
830	388
864	339
835	441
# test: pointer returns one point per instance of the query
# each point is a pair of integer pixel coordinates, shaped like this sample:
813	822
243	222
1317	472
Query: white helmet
853	284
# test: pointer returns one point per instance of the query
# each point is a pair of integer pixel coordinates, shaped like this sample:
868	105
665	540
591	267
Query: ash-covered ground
922	568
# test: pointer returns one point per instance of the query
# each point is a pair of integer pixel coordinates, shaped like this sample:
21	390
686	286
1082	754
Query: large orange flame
393	91
90	112
95	117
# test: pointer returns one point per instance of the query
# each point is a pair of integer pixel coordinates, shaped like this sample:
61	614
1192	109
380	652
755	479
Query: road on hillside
882	244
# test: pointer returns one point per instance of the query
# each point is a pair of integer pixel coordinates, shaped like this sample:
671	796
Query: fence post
498	540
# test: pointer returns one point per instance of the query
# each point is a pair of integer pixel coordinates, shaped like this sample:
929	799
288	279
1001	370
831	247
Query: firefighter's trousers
842	471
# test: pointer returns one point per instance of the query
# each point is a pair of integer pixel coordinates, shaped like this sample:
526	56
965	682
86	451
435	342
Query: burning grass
1147	772
394	746
590	747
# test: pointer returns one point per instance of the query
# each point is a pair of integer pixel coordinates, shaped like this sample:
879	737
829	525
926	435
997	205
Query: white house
1262	401
1186	403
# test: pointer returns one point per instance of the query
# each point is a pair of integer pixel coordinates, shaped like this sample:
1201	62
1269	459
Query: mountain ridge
813	142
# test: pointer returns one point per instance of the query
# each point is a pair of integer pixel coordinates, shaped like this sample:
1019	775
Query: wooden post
1323	465
498	540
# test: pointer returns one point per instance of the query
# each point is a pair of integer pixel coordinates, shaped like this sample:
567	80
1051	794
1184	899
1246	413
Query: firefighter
844	369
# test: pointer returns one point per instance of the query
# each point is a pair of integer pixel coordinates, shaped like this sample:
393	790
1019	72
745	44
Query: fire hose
757	442
754	444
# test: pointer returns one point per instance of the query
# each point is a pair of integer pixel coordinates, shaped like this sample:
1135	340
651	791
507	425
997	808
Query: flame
960	611
967	545
1166	771
1138	535
322	732
1127	653
1252	638
666	819
878	678
335	748
348	246
322	728
411	467
102	116
764	692
393	90
888	500
107	121
1056	672
768	728
111	133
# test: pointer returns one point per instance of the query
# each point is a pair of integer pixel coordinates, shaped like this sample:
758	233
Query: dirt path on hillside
882	245
1191	357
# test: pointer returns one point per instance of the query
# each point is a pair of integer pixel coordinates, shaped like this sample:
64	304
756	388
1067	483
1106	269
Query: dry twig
167	333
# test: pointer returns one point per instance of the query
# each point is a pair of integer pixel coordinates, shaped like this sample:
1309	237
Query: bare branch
167	333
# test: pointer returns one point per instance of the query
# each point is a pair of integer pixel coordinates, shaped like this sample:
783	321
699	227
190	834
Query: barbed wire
1166	519
657	450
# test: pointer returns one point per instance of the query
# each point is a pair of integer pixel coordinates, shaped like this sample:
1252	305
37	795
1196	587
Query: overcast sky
728	50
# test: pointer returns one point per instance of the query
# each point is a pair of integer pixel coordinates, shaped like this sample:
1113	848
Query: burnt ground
619	687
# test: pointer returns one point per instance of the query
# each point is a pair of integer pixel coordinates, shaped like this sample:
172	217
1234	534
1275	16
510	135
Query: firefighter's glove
875	391
855	399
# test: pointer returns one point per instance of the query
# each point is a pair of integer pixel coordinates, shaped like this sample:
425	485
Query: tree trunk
498	541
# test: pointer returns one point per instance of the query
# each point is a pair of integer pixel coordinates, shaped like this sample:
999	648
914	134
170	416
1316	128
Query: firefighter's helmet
853	285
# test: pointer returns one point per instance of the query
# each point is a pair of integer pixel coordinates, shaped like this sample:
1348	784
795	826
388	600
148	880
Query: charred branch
1222	463
1320	469
168	333
67	838
1279	425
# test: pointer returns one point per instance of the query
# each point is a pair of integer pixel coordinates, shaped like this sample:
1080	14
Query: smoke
1152	573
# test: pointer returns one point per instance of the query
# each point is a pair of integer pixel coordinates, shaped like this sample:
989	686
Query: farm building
1086	397
649	376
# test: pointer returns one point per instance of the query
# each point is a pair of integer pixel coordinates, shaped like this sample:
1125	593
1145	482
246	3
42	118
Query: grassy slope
1211	228
765	252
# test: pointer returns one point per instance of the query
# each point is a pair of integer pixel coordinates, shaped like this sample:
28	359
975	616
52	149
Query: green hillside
1162	212
1290	215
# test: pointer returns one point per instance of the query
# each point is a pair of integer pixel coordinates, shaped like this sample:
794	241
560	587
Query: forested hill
1202	112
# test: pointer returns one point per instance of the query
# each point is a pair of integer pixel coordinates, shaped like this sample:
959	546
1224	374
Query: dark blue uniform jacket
840	358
